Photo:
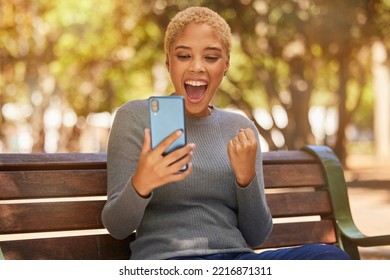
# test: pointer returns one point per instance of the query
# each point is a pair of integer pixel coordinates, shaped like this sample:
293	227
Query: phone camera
154	105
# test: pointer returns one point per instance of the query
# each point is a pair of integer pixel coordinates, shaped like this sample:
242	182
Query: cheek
175	72
220	68
176	80
176	69
218	73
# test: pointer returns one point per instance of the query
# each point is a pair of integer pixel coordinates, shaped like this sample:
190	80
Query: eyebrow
208	48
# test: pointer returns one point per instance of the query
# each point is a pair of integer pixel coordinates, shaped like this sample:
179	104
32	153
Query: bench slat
292	234
90	247
56	183
86	214
299	175
287	157
72	161
50	216
88	160
299	204
64	183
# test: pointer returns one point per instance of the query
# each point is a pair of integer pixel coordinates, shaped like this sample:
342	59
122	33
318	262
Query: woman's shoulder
135	110
134	105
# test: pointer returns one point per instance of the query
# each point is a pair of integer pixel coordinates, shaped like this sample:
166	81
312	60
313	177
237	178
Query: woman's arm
254	218
124	208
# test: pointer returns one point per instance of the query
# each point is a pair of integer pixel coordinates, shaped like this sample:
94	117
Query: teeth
196	83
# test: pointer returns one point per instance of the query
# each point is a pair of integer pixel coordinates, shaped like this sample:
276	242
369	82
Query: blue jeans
304	252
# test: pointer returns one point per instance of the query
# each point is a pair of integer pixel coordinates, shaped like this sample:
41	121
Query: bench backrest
50	205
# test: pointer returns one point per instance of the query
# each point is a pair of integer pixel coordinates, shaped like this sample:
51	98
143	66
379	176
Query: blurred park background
306	71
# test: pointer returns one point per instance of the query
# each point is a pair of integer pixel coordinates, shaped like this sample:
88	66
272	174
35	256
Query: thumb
230	149
146	146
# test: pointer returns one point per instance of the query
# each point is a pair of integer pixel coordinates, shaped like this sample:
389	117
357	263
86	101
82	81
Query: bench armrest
358	238
349	235
1	255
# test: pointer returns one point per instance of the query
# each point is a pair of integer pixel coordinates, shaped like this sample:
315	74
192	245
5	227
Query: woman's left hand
242	150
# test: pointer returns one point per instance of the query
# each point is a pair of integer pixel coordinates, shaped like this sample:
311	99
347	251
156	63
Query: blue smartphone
167	114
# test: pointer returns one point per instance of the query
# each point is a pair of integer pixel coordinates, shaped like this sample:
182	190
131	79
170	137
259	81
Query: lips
195	90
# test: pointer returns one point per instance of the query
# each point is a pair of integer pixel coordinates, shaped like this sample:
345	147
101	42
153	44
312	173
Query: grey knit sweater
204	214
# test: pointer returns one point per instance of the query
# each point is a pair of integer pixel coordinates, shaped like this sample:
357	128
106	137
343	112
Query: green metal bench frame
1	255
349	236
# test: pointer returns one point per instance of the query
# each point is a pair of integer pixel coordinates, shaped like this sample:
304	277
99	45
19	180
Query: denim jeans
304	252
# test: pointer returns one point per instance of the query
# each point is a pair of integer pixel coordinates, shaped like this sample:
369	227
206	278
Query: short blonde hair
198	15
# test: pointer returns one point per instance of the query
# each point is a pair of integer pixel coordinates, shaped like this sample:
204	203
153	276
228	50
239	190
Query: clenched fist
242	151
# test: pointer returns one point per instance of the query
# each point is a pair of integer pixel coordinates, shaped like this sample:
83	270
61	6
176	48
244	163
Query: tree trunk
339	147
298	132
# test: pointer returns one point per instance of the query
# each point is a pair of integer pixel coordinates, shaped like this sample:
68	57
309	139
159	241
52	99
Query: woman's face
197	61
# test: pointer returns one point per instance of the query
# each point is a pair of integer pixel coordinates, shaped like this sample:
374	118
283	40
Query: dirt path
369	193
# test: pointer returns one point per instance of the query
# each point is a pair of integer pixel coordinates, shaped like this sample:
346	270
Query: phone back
167	114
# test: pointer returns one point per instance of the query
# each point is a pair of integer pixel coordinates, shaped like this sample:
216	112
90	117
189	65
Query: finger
250	134
177	176
179	154
242	136
163	146
235	142
179	164
230	148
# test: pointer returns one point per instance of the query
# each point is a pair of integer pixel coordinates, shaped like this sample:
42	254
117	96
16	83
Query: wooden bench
50	205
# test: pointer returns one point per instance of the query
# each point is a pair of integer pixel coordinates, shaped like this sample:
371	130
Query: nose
197	66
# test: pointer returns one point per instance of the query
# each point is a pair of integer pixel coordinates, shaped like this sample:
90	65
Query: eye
183	56
211	58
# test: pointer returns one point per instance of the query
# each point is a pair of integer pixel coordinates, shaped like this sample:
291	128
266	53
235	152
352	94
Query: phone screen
167	114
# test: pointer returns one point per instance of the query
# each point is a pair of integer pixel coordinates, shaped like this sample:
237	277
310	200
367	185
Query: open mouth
195	90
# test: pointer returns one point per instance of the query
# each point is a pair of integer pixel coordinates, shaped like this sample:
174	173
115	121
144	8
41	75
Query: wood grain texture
94	247
52	183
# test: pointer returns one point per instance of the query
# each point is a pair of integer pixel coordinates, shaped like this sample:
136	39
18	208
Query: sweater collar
205	120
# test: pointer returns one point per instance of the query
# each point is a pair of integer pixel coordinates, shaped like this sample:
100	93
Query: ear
167	61
227	66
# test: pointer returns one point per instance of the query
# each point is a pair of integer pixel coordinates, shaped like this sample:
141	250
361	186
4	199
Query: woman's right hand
155	170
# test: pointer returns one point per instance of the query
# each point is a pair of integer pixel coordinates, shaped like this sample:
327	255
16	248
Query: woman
216	208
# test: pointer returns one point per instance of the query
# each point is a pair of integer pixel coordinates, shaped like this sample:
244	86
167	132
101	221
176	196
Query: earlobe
227	66
226	70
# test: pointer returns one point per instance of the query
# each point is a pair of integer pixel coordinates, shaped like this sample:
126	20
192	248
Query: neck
201	114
